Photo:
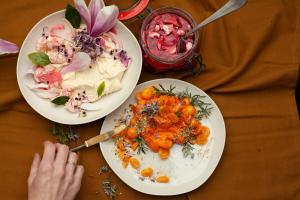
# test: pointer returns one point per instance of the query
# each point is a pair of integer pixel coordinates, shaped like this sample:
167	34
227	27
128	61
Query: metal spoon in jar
229	7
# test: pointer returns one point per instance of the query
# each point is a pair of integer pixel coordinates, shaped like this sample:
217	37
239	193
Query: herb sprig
109	189
203	108
163	91
187	149
142	148
63	133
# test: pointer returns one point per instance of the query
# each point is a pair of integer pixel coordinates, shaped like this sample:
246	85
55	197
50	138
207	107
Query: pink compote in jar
159	37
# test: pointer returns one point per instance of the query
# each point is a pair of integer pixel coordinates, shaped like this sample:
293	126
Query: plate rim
187	188
84	120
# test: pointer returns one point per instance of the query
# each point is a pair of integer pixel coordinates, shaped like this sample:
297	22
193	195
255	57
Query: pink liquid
162	34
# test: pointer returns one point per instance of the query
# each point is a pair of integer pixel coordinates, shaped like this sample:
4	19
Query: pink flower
98	17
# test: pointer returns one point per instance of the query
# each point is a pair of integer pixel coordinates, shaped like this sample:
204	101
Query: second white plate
185	174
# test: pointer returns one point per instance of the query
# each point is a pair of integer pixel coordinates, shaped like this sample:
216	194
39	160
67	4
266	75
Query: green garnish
187	149
61	100
203	108
142	148
162	91
100	89
39	58
64	133
73	16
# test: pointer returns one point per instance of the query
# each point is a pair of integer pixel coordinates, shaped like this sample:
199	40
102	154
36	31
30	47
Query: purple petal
106	19
84	12
80	62
7	47
95	6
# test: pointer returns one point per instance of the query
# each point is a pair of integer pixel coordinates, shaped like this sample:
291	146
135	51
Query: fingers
49	154
70	167
77	178
61	156
34	167
69	174
75	186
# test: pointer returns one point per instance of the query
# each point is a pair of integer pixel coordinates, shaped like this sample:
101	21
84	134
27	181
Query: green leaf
39	58
61	100
73	16
101	88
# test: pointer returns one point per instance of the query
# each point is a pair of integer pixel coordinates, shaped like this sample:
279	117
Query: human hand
56	176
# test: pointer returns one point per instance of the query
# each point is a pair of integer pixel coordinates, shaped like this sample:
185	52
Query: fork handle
229	7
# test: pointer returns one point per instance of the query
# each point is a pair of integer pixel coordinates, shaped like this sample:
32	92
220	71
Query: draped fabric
251	57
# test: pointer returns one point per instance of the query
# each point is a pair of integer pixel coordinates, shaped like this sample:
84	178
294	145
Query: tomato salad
160	119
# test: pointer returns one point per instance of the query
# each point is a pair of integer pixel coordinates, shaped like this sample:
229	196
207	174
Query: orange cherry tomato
186	101
134	163
173	117
166	144
203	137
132	133
164	153
133	121
189	110
147	172
139	96
162	179
120	145
142	102
194	123
147	93
134	146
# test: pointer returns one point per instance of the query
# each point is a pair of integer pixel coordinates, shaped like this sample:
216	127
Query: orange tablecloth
252	58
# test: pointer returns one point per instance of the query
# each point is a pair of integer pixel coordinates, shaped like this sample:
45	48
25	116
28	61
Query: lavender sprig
109	189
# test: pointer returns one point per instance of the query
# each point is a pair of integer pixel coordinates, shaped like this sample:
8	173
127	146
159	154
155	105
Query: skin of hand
55	176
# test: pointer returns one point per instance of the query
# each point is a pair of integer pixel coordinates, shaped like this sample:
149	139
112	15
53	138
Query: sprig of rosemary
142	148
187	149
163	91
203	112
203	108
64	133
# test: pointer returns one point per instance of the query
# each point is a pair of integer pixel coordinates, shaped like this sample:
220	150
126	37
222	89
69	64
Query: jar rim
174	10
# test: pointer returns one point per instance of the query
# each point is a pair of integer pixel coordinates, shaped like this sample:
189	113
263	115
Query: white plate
185	174
110	102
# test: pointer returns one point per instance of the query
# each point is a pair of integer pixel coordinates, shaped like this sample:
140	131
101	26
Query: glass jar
157	64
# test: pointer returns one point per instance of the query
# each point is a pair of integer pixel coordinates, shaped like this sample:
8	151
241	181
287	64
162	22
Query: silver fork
229	7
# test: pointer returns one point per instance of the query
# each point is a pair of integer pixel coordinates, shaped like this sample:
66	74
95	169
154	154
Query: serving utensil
229	7
99	138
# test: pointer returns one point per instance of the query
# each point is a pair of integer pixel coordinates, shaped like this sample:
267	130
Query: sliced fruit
147	172
162	179
134	163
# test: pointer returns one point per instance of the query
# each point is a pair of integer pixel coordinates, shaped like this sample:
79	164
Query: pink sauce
162	34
